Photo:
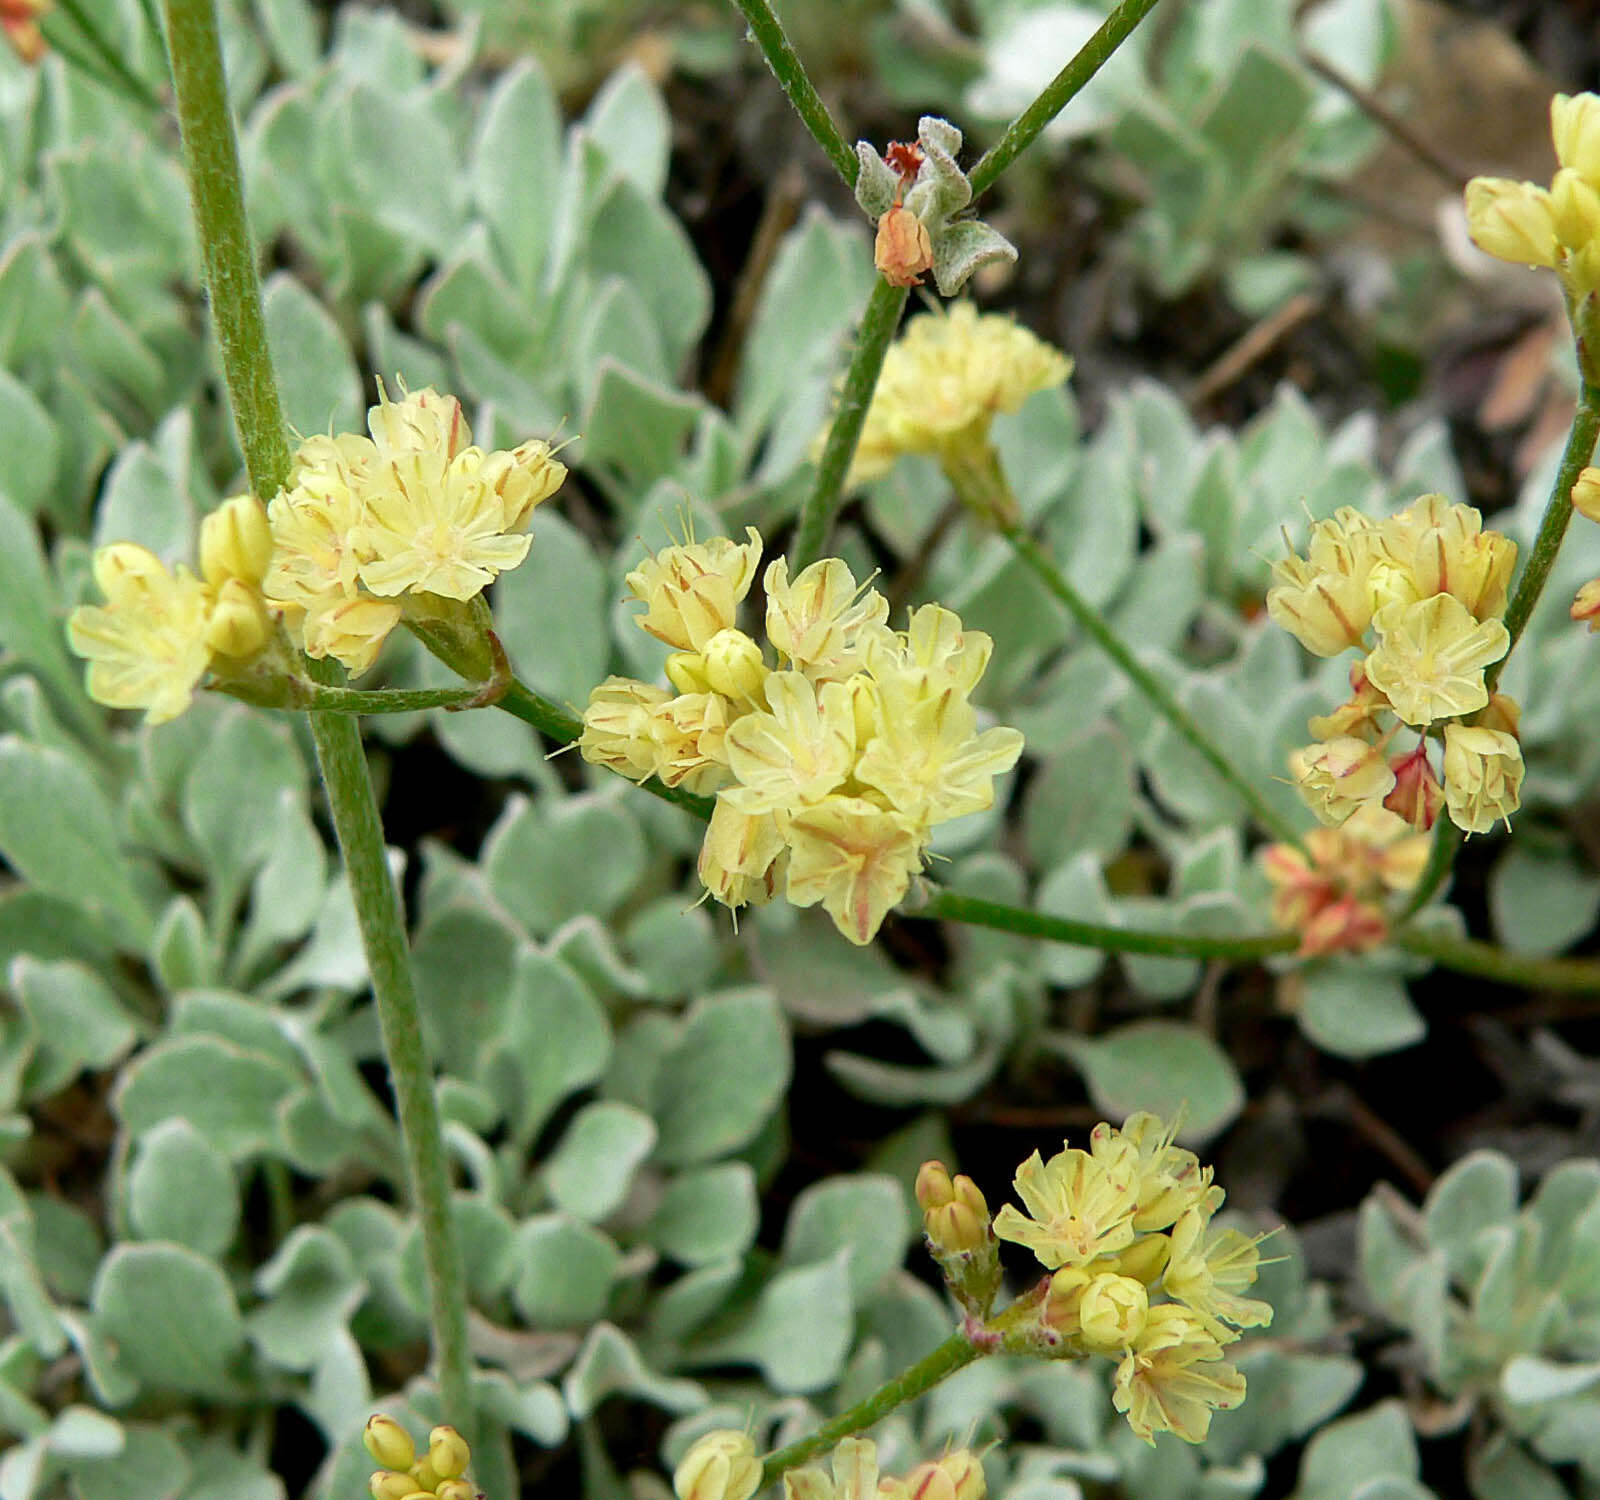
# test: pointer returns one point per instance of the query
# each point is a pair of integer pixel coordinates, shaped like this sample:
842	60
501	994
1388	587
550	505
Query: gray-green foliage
1501	1308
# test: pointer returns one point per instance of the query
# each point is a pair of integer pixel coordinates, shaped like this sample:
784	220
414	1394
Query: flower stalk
211	155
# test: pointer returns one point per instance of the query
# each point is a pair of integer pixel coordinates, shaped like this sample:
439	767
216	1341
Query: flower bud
1112	1312
956	1476
448	1452
425	1476
1417	794
1146	1258
1343	926
387	1484
1512	221
1586	605
1502	712
235	542
458	1489
1586	494
1576	209
388	1442
902	250
933	1186
1575	128
734	665
237	623
722	1465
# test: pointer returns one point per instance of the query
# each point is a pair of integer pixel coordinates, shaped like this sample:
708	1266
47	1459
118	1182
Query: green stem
953	907
956	1352
215	185
1469	956
878	323
383	939
314	696
1093	624
211	155
1447	838
796	83
120	75
1061	89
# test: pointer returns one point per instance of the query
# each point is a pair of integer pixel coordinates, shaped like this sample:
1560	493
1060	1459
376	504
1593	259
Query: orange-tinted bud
1587	604
902	251
1417	794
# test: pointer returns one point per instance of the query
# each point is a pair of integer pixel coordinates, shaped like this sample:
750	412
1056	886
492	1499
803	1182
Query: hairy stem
796	83
1061	89
1579	976
953	907
1093	624
211	153
878	323
950	1356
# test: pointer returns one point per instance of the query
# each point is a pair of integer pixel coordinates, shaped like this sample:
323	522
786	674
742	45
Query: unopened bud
1502	712
235	542
686	671
1586	494
389	1443
1145	1259
237	624
1586	605
1112	1312
448	1453
956	1476
734	665
1417	794
386	1484
425	1476
933	1187
458	1489
902	250
720	1466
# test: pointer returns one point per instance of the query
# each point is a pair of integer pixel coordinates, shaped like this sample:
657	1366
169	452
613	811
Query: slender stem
319	698
383	938
121	75
1061	89
215	185
211	154
1447	837
956	1352
1469	956
796	83
979	913
878	323
1093	624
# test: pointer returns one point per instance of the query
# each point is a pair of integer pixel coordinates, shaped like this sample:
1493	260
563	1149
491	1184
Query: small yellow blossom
1586	494
236	543
1175	1377
816	622
690	737
692	591
958	1475
388	1442
1430	658
147	646
722	1465
732	665
448	1453
955	1216
1339	776
435	1475
855	1475
237	624
854	858
1512	221
1079	1207
1323	599
1586	604
742	856
943	381
1483	773
1207	1270
616	727
1436	547
1575	129
796	753
1169	1178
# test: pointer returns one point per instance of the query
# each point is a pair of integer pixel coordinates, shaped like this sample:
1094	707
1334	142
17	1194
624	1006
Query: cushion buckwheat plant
832	767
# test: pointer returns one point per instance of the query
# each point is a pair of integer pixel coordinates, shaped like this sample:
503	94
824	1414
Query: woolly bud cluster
831	768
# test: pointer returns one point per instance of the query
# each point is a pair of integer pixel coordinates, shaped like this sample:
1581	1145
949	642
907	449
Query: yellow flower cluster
159	632
723	1465
831	769
1332	892
1117	1224
943	381
1586	501
1430	584
406	1476
414	509
1556	227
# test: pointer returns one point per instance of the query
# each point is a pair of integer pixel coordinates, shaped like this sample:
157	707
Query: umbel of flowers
1420	595
1137	1272
943	382
412	521
832	765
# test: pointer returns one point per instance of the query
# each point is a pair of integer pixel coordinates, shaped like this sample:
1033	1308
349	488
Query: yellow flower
236	543
147	646
1441	548
1575	129
1430	658
817	621
1175	1377
616	727
854	1477
348	627
1512	221
957	1475
722	1465
742	856
955	1217
1339	776
794	755
853	857
1112	1312
690	733
1207	1272
944	380
1323	599
1169	1179
935	643
692	591
1483	773
315	522
1079	1206
926	756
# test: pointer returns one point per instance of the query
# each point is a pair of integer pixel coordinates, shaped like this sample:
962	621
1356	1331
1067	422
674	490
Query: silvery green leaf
876	183
609	1364
864	1214
1478	1192
567	1270
1344	1456
593	1168
181	1188
961	248
706	1216
936	134
1160	1066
